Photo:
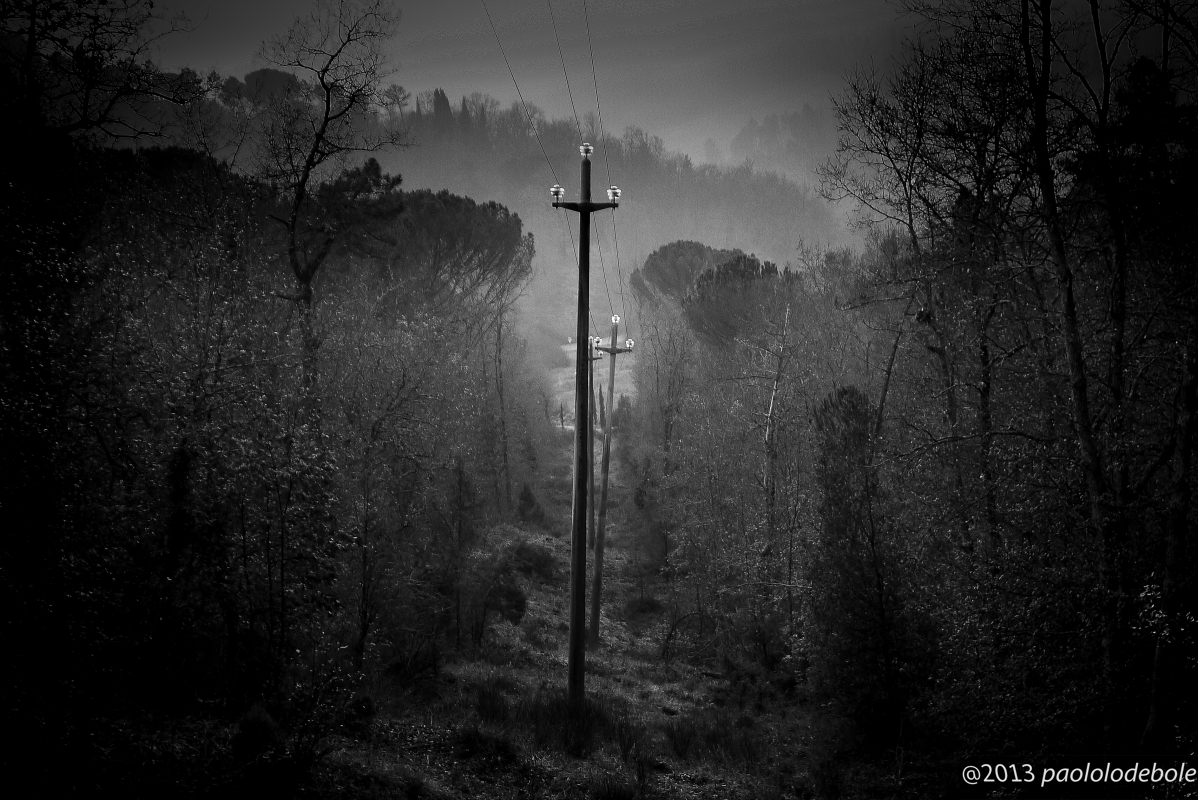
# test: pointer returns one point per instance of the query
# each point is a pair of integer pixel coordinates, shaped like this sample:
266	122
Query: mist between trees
264	410
476	146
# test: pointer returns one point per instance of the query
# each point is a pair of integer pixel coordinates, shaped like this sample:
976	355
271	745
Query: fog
711	95
665	197
686	70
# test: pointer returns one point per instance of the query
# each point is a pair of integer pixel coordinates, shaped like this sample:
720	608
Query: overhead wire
536	133
602	266
519	94
570	231
607	161
562	56
578	123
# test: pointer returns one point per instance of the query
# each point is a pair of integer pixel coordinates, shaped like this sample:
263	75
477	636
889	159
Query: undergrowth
546	717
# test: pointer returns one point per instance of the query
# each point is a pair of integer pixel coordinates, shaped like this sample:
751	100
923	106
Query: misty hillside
794	144
476	148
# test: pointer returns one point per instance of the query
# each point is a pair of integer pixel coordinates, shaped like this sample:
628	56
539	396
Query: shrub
642	769
493	704
509	600
613	787
643	605
313	709
357	716
488	587
681	734
547	714
414	658
536	560
257	734
622	418
528	508
713	734
497	751
827	777
628	732
715	730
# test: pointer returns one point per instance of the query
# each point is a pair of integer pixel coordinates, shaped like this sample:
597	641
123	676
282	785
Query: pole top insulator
586	149
615	319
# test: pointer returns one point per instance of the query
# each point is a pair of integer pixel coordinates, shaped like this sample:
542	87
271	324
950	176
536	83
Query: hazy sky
683	69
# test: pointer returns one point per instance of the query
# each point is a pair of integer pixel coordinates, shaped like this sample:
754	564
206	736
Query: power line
595	78
578	124
518	92
538	135
570	233
602	268
607	161
619	270
562	55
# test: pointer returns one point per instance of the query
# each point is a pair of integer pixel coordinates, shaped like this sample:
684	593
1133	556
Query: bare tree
74	67
321	120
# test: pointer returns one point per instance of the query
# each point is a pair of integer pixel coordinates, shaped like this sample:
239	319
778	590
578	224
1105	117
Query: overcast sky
683	69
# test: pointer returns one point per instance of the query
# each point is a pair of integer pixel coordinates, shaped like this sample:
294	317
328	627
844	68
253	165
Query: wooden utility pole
597	584
771	437
591	437
576	669
602	406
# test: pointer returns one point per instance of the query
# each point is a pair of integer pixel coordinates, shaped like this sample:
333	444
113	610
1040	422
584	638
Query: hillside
491	723
491	154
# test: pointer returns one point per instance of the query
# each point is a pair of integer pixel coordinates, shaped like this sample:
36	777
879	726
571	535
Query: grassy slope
489	725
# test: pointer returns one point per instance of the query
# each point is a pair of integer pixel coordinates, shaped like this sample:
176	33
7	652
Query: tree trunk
1096	485
507	475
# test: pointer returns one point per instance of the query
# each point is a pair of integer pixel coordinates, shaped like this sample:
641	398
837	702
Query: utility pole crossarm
588	207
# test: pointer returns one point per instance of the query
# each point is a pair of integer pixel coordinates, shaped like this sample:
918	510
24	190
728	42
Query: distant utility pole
576	669
597	585
591	437
771	438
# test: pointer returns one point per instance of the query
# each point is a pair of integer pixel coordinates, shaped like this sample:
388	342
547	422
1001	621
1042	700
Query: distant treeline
476	146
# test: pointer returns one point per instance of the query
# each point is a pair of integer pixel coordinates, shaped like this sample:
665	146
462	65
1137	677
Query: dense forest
287	454
254	416
948	478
